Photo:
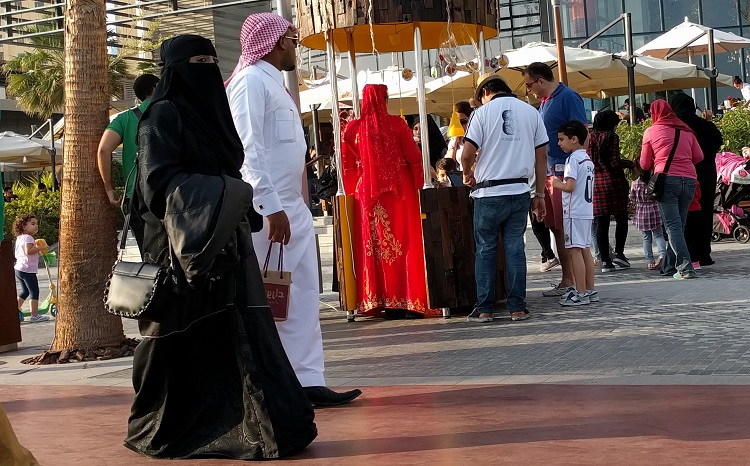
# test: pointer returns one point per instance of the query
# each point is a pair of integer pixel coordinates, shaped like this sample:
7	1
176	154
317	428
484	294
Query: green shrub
46	207
735	127
631	138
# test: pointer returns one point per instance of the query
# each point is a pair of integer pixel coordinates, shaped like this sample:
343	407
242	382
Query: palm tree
87	224
36	78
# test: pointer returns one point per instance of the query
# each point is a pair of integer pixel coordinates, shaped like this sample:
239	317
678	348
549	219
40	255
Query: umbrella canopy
682	33
19	152
591	73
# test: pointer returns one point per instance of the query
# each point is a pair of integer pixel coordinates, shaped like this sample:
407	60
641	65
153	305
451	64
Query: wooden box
448	233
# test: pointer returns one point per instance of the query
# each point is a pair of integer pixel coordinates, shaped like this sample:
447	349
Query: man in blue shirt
560	104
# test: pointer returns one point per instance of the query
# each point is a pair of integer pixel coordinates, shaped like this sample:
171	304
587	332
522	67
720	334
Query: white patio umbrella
589	71
681	34
19	152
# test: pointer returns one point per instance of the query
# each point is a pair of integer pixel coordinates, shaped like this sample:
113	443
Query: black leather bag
655	187
137	290
327	185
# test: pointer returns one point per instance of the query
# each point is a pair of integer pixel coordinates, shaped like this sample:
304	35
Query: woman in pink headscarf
382	166
669	135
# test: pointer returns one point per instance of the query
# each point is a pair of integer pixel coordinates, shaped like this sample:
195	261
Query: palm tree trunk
87	222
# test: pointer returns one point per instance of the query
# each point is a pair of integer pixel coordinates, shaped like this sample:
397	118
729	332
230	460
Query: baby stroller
732	193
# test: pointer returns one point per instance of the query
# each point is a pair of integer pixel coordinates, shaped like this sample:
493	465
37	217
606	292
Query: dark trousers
705	223
602	235
694	235
542	236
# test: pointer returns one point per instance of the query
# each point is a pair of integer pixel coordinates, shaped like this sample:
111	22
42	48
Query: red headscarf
662	114
378	147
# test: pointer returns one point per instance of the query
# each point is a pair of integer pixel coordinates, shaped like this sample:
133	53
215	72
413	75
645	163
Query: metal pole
331	55
631	66
421	101
562	69
713	94
353	70
482	52
316	128
53	154
284	7
691	57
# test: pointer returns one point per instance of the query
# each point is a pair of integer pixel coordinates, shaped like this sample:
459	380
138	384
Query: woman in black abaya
211	377
710	139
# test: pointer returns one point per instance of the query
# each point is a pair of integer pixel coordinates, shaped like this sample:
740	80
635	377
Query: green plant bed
46	208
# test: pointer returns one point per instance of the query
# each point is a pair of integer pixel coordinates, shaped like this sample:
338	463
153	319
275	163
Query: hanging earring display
450	70
312	67
407	74
434	72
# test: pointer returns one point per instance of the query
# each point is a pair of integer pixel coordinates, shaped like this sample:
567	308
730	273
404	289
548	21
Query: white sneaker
556	291
39	318
593	295
549	265
575	299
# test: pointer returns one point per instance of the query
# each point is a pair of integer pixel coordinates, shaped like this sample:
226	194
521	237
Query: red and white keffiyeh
258	37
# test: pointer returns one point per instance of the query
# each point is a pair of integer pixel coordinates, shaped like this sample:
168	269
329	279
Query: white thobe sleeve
247	100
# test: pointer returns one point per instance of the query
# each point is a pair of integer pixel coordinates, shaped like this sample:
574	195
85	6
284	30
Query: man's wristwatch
538	195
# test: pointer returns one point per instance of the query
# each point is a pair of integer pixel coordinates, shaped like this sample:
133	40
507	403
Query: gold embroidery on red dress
387	249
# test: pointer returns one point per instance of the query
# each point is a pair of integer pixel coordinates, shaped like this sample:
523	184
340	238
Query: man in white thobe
270	127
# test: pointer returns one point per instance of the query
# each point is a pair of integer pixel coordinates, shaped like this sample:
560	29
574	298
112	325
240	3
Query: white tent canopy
19	152
683	33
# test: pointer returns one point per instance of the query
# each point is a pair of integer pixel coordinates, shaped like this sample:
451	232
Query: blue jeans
594	244
29	285
649	236
504	215
678	194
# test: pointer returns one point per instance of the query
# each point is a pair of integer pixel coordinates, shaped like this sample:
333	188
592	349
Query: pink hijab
258	37
662	114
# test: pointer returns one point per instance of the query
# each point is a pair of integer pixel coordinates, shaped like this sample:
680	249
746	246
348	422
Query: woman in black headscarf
438	146
211	377
710	139
610	188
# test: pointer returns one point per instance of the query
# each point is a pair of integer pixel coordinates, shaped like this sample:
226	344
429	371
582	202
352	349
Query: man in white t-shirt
577	188
744	89
513	140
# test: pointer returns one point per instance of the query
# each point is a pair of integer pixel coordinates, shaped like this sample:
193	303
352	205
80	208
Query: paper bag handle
268	259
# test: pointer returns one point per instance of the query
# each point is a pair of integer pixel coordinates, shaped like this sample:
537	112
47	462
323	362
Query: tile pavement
646	330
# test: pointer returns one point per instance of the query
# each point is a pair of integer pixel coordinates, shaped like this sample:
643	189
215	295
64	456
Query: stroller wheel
741	234
715	237
53	310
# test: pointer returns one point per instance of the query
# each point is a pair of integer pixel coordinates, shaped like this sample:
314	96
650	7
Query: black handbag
327	185
655	187
137	290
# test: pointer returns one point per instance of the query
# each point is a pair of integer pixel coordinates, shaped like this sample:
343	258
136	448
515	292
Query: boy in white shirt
578	211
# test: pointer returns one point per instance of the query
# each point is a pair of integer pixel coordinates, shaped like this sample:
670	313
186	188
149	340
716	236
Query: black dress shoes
324	396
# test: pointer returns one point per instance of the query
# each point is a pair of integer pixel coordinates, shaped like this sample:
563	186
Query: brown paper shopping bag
277	285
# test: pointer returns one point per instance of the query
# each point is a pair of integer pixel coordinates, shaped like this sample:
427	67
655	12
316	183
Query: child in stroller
732	196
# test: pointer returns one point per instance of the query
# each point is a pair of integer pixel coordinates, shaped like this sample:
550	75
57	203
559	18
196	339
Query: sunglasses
528	85
294	39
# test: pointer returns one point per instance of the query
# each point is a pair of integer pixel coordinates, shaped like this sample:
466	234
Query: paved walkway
656	373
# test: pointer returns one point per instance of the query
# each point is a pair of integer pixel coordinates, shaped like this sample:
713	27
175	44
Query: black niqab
708	135
197	91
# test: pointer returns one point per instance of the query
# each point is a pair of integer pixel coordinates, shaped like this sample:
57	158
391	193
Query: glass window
675	12
645	15
602	12
573	17
720	13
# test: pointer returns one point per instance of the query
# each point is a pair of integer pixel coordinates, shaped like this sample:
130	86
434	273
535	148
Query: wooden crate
448	234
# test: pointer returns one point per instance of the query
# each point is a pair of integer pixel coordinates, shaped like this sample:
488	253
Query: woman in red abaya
382	166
